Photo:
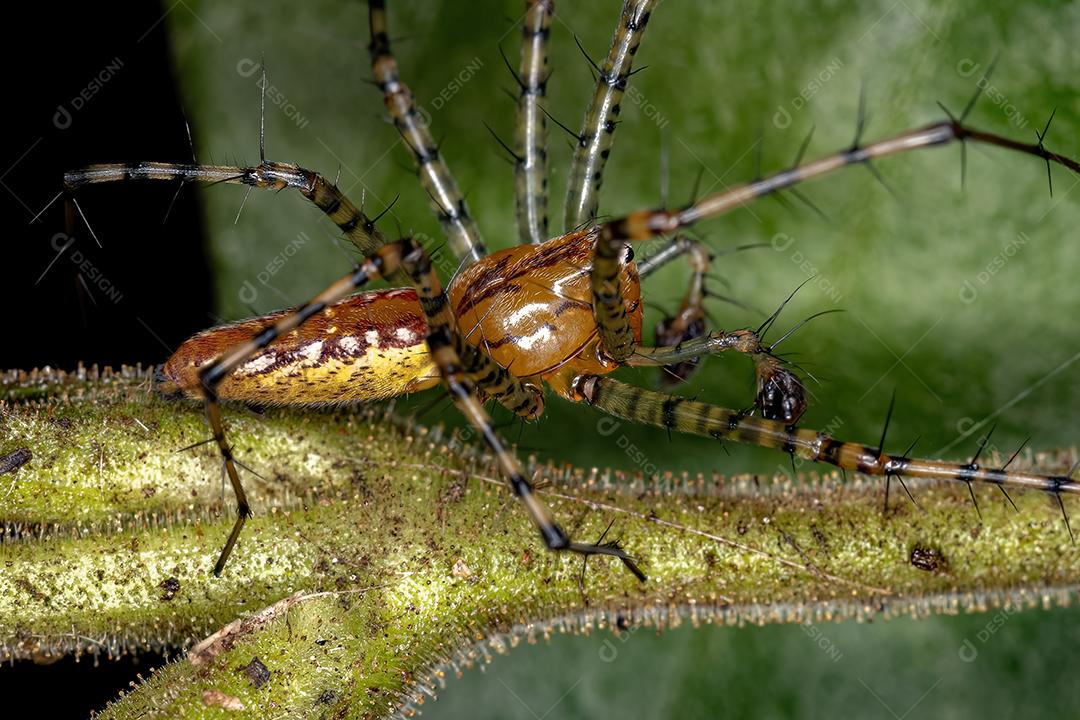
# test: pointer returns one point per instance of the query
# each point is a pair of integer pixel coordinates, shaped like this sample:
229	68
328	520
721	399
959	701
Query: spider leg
243	510
598	128
609	310
212	374
684	415
524	399
447	202
645	224
780	392
457	365
530	131
357	226
670	251
447	348
689	322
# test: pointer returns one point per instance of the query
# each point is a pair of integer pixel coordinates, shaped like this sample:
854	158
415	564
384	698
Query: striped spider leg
594	145
352	221
685	415
530	129
325	195
447	201
598	127
457	364
689	321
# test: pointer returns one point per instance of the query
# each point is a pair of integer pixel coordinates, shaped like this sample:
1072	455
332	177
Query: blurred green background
964	302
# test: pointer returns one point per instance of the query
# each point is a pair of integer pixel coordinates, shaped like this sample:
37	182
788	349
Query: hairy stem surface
384	556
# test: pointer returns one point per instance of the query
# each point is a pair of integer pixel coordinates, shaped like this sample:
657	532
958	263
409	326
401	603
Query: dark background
159	268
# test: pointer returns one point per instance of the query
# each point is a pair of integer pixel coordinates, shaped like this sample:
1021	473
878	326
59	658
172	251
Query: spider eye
629	254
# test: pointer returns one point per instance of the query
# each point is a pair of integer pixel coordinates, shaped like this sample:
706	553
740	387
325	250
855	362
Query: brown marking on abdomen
367	347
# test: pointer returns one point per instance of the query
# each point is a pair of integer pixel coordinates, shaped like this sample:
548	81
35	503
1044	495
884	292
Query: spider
561	313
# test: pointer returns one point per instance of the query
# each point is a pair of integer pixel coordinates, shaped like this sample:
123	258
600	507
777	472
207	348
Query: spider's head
781	394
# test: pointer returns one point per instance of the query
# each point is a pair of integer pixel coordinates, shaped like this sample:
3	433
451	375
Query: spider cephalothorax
563	312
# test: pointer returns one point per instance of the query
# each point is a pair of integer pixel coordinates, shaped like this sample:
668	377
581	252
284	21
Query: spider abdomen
369	346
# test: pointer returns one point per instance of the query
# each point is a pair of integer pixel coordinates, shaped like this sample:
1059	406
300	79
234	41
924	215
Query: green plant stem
386	554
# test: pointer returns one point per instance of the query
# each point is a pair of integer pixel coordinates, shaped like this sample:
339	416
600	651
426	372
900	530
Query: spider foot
613	549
